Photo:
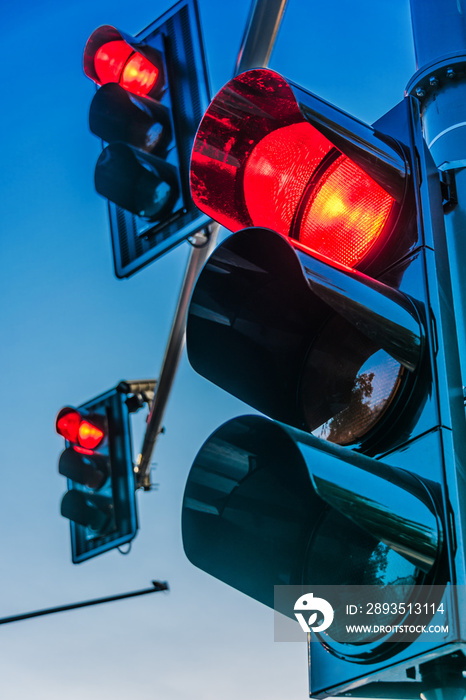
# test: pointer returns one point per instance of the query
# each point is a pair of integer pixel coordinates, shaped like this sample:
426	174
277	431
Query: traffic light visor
258	160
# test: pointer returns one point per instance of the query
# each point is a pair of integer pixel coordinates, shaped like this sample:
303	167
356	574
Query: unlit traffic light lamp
329	310
152	89
98	464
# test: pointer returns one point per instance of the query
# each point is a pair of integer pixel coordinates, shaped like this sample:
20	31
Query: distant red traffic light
109	58
76	429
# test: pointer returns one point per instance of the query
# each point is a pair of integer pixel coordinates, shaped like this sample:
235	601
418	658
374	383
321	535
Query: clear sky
72	330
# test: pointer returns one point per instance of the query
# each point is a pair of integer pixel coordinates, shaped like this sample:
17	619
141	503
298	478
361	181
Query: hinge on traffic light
448	185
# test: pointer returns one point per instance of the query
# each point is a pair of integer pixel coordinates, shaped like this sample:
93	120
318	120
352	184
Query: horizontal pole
156	587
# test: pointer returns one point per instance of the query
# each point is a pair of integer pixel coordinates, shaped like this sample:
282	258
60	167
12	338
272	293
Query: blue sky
72	330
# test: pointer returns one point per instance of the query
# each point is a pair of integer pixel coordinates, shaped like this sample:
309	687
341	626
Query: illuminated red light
71	425
139	75
277	172
109	61
345	215
89	435
67	425
257	162
116	62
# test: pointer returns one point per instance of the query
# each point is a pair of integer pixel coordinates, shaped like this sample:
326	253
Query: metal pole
260	33
156	586
258	40
202	246
439	31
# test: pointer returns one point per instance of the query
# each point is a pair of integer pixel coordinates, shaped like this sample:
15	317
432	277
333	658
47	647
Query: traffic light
329	310
152	91
98	464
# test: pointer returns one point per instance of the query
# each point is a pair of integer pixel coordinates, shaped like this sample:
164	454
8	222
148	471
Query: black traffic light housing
98	463
352	343
153	92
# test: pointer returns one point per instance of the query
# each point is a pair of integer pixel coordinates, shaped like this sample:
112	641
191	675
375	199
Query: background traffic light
98	464
331	312
153	90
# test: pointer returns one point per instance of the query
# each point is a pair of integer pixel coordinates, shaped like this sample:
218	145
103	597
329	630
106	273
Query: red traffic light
109	57
74	428
259	161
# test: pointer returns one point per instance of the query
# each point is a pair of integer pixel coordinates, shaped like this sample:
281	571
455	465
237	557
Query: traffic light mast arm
202	246
156	587
259	36
256	47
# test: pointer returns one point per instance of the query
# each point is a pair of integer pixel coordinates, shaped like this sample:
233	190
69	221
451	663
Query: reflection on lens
347	385
342	554
373	388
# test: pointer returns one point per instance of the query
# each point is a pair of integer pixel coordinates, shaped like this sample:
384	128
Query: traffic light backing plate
136	243
120	486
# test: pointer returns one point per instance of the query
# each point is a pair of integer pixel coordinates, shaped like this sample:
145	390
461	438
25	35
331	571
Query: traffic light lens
331	206
371	394
281	162
116	62
110	59
342	554
347	386
89	436
345	215
139	182
139	75
73	428
67	424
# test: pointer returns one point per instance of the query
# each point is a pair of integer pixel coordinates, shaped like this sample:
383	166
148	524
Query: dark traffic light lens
90	510
347	386
117	115
342	554
141	183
